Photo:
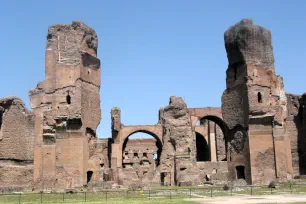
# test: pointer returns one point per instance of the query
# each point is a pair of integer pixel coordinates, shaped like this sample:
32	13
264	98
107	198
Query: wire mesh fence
119	195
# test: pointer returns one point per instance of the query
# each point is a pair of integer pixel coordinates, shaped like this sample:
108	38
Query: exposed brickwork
254	106
67	109
258	135
16	143
179	149
139	164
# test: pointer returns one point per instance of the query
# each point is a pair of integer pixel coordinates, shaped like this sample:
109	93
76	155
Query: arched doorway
141	153
240	172
89	176
213	131
203	152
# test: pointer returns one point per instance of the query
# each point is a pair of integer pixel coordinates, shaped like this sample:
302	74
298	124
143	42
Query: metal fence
119	195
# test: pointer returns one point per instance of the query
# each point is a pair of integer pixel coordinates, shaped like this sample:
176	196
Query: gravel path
251	199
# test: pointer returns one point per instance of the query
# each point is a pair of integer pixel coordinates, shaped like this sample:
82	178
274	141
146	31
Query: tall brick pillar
212	141
254	106
116	159
67	107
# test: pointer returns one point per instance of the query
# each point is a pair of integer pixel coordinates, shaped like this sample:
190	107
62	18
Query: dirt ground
251	199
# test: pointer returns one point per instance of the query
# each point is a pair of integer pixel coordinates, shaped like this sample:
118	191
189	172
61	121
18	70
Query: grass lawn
156	195
76	199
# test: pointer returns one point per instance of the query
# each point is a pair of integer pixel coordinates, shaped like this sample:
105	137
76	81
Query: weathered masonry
16	144
254	107
67	108
257	136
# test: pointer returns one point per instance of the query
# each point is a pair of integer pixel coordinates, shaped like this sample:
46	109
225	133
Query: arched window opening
145	151
211	139
145	155
89	176
68	99
142	146
259	97
240	172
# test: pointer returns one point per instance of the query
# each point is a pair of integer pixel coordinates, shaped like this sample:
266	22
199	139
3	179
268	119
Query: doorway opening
68	99
89	176
240	172
259	97
203	151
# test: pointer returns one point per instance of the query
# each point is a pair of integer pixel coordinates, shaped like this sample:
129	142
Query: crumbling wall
213	143
213	172
139	163
179	151
15	174
16	143
116	126
67	107
302	134
293	125
127	170
99	163
296	129
254	101
116	123
220	143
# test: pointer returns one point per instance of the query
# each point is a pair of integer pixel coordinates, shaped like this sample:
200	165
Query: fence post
85	196
41	194
210	191
251	190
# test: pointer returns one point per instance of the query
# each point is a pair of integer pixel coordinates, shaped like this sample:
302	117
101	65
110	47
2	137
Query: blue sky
150	50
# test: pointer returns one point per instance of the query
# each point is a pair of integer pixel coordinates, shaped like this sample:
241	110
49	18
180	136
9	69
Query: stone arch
212	114
126	131
159	143
153	130
218	143
199	113
219	121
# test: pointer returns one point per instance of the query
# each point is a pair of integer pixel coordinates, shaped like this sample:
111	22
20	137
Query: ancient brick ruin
67	110
257	136
254	106
16	144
